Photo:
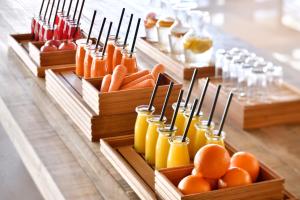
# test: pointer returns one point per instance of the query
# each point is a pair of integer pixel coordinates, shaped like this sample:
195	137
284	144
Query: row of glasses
251	77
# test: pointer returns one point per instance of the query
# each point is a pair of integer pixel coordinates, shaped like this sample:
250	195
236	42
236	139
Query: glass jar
178	153
226	71
49	32
151	137
80	54
219	62
117	56
74	32
42	30
163	146
180	119
98	66
214	138
129	61
88	59
179	29
243	74
234	68
141	126
199	139
163	25
257	85
37	27
198	43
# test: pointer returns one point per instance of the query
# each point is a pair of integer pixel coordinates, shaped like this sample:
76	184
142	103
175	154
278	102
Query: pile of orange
215	169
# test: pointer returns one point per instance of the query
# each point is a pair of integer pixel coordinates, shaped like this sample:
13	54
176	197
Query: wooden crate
151	184
125	101
174	67
50	58
66	88
283	107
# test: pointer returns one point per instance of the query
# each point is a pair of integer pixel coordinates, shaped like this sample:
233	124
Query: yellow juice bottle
151	137
180	120
178	153
214	138
163	146
199	139
192	130
141	126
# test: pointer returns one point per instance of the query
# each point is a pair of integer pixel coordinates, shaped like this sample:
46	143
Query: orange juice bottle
151	137
192	130
117	57
98	66
110	49
129	61
180	120
214	138
199	139
178	153
80	54
88	58
163	146
141	127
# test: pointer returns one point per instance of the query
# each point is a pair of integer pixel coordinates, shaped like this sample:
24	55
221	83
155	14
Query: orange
212	182
246	161
193	184
212	161
235	177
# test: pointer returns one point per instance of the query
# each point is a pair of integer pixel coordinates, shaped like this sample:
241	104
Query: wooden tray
174	67
283	108
150	184
66	88
125	101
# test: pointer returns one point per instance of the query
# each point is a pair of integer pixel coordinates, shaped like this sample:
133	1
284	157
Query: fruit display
213	167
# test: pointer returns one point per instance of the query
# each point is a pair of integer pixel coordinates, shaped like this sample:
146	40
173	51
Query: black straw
163	111
100	33
78	21
213	106
41	8
55	14
63	6
75	11
202	97
190	120
225	113
135	36
154	93
176	110
128	30
69	9
51	11
120	22
107	38
46	10
187	99
91	27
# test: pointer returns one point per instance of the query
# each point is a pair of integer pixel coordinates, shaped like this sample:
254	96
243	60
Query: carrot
135	76
157	69
105	83
118	75
144	84
136	81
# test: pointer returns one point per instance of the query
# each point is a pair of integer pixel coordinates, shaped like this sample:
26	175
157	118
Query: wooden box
44	59
29	52
283	107
174	67
66	88
151	184
125	101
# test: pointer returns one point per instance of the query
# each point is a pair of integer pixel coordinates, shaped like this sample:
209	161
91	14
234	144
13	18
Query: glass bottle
214	138
88	59
198	44
180	120
178	153
257	83
199	139
151	137
234	68
98	66
80	54
163	146
141	127
219	62
243	74
129	61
